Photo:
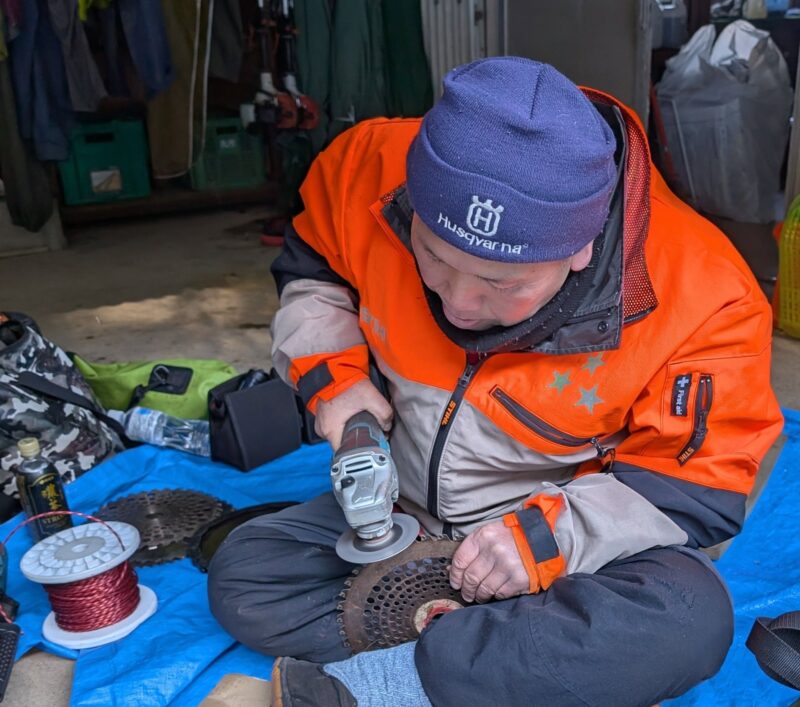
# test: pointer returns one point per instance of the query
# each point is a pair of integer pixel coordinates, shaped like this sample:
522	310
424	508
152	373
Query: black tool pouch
251	423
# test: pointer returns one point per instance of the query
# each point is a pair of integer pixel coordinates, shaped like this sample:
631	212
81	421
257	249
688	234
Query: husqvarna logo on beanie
483	217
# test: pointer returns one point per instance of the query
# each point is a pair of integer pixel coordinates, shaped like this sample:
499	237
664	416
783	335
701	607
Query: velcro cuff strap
532	528
512	521
309	384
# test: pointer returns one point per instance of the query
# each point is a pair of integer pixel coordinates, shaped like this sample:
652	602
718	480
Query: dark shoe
299	683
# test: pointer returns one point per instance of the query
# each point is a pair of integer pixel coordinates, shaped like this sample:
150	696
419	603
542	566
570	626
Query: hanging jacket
637	420
86	88
44	111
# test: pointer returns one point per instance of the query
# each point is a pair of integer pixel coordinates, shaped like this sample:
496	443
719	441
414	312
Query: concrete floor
186	286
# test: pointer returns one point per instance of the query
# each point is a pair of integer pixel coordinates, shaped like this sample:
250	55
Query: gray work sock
384	678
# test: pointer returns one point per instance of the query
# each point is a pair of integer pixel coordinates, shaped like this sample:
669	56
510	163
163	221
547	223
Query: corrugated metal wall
454	33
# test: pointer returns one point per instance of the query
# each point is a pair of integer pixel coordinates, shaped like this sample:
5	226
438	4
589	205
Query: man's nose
462	295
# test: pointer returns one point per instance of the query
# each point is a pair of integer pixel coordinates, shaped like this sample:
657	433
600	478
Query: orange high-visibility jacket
640	422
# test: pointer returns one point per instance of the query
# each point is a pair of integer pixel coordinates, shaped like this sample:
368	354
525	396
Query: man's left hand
487	565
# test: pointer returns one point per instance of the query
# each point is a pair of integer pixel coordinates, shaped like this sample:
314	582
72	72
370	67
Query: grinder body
365	484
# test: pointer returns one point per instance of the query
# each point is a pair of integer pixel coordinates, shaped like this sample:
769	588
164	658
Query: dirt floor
194	286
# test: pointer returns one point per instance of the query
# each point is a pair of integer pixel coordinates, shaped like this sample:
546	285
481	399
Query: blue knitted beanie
513	163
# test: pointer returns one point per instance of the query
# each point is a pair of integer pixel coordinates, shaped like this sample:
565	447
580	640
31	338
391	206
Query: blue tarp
762	568
178	656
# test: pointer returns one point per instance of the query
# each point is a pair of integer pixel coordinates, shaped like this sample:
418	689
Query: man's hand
487	565
333	415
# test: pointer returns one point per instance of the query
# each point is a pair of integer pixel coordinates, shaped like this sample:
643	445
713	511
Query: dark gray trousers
636	632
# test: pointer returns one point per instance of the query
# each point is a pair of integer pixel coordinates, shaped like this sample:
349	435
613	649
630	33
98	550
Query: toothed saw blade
166	519
390	602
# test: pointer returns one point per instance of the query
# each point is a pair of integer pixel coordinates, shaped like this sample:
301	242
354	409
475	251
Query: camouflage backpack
43	395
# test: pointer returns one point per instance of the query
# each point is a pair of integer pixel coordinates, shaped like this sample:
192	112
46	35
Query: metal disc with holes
166	520
390	602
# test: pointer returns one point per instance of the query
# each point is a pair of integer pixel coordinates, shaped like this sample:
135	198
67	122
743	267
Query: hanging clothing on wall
358	83
27	186
3	47
146	34
44	110
408	77
86	88
85	5
313	20
227	40
176	118
12	16
142	24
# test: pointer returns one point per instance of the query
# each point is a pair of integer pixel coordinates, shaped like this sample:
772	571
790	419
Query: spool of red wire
93	591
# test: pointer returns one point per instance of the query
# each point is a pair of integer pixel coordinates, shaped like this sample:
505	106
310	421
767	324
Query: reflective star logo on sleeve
593	363
589	398
560	381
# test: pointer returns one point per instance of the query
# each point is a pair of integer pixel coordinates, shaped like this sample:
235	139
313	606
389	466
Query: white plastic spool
79	553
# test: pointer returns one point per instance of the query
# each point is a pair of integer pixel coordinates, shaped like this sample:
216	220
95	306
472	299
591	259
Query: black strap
43	386
163	379
776	645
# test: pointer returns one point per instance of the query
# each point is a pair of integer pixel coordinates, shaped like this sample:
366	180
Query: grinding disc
166	519
351	548
390	602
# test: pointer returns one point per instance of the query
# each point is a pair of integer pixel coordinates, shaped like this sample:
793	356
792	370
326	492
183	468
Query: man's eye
500	286
433	257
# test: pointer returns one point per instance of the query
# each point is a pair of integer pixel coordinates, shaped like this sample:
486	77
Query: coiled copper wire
95	602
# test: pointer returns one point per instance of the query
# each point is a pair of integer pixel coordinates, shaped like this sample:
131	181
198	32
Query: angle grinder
365	484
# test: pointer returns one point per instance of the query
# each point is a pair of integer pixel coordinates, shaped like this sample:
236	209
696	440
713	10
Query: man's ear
581	259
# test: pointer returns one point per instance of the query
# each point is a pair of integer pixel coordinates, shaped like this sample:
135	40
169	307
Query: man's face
478	294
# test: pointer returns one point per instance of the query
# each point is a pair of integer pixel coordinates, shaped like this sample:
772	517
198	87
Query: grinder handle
362	431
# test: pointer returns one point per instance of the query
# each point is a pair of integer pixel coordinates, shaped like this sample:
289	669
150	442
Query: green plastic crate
232	158
107	162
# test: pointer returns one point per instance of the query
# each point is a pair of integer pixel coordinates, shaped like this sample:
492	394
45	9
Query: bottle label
46	494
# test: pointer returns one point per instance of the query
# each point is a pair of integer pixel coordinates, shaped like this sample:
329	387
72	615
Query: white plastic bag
726	106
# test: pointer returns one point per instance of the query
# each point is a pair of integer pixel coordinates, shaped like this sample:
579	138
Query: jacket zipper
547	431
702	407
474	362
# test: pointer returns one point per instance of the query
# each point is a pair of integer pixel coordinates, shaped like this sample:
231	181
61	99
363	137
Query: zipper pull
703	401
606	455
473	361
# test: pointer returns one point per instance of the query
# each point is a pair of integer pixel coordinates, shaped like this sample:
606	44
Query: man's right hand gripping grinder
365	485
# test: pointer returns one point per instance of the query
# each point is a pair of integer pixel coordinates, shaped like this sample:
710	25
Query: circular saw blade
389	602
166	519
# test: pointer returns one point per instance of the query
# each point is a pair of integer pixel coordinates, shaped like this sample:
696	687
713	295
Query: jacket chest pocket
543	429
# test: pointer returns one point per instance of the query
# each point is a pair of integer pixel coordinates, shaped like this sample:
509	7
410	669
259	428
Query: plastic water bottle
158	428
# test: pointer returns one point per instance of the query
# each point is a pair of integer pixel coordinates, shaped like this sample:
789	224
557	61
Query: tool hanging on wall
278	104
282	16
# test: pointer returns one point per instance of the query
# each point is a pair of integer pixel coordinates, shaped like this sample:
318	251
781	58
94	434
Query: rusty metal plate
389	602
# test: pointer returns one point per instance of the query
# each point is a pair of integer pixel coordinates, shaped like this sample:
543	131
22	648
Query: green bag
177	386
